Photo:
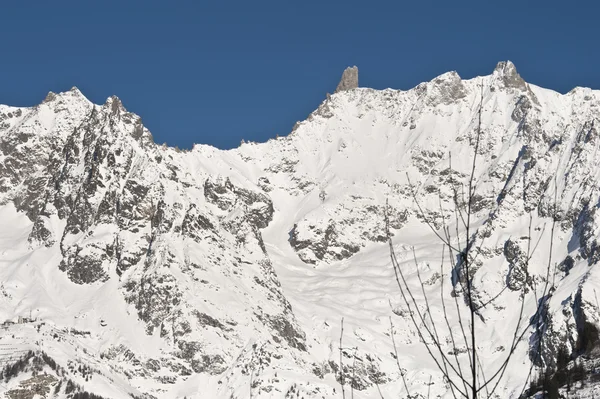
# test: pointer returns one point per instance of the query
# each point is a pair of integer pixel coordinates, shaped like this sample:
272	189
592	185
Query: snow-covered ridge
211	273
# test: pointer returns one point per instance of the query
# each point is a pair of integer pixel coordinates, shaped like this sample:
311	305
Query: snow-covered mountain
152	272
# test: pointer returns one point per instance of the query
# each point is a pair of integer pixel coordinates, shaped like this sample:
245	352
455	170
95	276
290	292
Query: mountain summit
133	270
349	79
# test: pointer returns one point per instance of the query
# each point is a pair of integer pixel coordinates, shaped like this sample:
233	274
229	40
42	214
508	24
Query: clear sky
214	72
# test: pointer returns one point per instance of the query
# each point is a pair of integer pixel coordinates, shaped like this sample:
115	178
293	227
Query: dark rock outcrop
349	79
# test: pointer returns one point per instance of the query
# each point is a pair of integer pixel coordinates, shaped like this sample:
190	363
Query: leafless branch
402	373
341	359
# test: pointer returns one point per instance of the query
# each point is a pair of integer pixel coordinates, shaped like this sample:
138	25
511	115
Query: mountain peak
49	97
115	104
349	79
72	95
507	73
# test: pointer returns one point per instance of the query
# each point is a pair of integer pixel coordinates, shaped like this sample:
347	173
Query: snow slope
219	274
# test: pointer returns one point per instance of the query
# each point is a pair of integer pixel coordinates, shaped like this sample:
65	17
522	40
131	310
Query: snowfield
143	271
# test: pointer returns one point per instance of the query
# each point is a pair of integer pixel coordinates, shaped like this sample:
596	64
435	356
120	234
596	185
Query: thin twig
429	387
341	361
353	374
436	335
403	286
454	346
402	373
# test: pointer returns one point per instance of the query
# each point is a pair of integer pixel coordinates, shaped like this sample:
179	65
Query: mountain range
130	269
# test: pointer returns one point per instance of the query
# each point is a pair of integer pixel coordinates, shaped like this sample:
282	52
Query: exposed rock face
343	235
446	89
509	76
349	79
517	265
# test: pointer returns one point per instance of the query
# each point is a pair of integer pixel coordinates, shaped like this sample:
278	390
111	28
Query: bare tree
461	252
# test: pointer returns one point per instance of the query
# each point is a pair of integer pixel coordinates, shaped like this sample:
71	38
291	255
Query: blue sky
217	72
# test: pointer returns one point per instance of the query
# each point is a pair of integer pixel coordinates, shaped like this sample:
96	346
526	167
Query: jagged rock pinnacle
349	79
115	104
50	97
509	75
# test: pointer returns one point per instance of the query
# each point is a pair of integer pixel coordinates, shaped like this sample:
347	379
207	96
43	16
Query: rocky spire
349	79
509	76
